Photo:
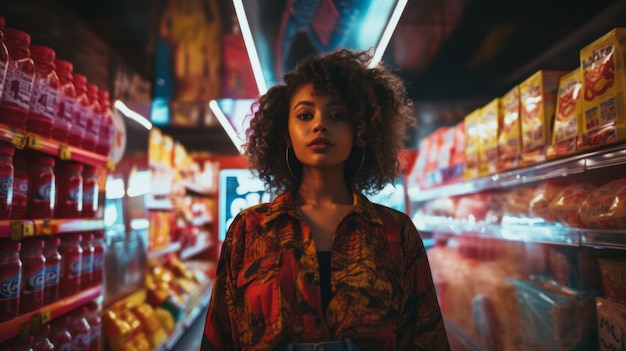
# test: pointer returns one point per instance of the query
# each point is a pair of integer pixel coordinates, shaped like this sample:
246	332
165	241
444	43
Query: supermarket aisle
192	339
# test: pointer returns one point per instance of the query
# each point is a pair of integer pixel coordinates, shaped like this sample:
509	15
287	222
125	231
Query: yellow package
606	206
568	115
488	138
509	137
472	144
604	85
537	107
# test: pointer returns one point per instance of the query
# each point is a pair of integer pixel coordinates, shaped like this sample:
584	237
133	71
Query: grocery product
94	117
472	144
509	136
566	206
71	264
81	111
86	271
568	118
41	187
53	269
575	267
44	99
107	128
4	57
7	174
90	192
613	275
19	204
605	207
69	189
33	273
10	279
79	329
490	116
98	257
60	335
95	326
611	325
543	195
18	84
67	100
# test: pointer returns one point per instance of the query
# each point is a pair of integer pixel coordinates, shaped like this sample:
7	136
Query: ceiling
454	54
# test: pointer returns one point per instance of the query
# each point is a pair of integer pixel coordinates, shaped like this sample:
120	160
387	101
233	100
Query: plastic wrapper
611	325
565	206
543	195
606	206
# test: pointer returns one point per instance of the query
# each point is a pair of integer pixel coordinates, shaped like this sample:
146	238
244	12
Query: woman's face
320	129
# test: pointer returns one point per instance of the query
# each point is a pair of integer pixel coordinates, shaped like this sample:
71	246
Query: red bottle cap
73	238
53	241
16	36
80	81
46	161
11	246
41	53
32	244
64	67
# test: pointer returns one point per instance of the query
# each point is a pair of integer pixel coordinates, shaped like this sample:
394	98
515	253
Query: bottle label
75	194
81	113
10	287
75	267
44	192
87	265
20	187
6	187
35	282
3	72
44	99
65	108
52	275
18	86
98	262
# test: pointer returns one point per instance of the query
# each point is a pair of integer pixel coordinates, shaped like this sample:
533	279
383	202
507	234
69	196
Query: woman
321	265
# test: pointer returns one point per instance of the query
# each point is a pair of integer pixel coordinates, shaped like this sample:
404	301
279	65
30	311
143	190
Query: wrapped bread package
543	195
611	325
605	207
565	207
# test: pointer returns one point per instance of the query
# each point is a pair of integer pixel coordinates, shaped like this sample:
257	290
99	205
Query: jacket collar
283	205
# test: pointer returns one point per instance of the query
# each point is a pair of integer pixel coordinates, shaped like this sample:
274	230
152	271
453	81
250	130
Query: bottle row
43	95
79	329
35	271
35	185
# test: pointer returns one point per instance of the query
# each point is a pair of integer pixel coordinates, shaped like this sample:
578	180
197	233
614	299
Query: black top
323	257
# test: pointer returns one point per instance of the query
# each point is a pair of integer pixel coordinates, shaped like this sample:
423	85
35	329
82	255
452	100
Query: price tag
19	140
46	229
65	153
35	323
28	229
46	316
17	230
34	142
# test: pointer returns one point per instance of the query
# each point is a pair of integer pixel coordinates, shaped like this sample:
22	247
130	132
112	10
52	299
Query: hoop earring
361	165
288	163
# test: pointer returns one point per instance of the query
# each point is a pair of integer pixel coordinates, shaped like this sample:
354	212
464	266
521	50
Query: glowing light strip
386	37
232	133
132	114
249	41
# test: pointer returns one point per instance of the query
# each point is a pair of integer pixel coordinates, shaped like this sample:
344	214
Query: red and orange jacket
266	292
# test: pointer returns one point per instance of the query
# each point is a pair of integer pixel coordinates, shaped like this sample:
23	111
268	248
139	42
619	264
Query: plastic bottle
71	264
4	57
18	84
86	278
107	128
60	335
95	324
20	188
92	130
67	100
99	252
41	341
44	100
80	330
53	269
33	273
41	187
81	111
90	192
69	189
10	279
7	173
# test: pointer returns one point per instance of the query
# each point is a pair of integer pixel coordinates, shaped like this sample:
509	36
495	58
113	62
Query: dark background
455	55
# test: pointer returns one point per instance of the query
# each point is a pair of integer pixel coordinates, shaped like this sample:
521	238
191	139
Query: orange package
510	134
606	206
488	138
568	119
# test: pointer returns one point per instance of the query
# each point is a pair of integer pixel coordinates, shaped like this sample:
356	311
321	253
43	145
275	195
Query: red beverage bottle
10	279
44	100
33	273
7	173
41	341
92	130
71	264
67	100
41	187
4	57
99	252
81	111
107	128
69	189
95	325
18	84
60	335
53	269
90	192
20	188
80	330
86	279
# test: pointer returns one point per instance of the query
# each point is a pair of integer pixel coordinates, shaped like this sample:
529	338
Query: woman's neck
323	188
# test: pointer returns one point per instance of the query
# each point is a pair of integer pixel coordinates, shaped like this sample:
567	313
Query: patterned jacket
266	291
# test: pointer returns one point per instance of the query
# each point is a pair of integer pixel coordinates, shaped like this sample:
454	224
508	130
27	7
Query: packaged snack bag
568	119
510	134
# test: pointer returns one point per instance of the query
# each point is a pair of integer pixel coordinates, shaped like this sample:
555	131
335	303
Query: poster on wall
200	56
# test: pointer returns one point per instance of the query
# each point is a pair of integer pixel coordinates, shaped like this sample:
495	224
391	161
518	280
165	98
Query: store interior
514	176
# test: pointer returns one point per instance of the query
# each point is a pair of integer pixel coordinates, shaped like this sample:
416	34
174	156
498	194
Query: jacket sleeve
423	326
218	329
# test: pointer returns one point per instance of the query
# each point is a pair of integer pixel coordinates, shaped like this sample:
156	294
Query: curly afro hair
380	110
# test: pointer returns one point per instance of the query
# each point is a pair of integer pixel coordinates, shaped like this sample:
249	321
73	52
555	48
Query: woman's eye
304	116
336	116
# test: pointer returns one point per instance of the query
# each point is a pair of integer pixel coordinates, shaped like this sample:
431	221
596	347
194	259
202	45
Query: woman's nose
319	124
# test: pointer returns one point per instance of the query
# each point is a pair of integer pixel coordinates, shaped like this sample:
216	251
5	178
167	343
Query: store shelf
13	327
536	233
58	226
21	139
172	247
192	251
576	164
